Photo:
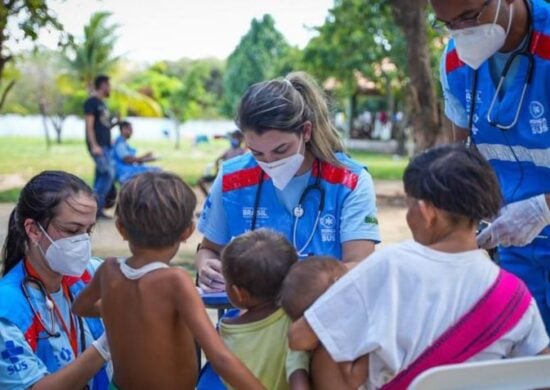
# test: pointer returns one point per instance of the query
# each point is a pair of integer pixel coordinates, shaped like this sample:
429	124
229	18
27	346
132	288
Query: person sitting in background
127	163
236	149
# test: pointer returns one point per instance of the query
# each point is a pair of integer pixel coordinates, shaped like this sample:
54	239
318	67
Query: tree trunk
410	16
177	135
57	124
4	59
44	114
352	113
4	93
176	123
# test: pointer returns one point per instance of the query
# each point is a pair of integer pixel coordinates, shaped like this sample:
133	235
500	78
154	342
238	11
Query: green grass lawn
29	156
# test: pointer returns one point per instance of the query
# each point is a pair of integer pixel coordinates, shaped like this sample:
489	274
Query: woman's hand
210	275
209	267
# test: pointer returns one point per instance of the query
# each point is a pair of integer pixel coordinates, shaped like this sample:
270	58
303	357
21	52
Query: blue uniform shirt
519	156
357	215
20	366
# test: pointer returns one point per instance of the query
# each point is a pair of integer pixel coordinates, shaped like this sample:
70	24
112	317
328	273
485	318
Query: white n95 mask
68	256
283	170
476	44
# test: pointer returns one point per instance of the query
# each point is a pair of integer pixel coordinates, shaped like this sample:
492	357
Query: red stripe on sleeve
240	179
337	175
540	45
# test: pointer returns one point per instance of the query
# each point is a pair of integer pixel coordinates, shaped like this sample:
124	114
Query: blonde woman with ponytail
296	180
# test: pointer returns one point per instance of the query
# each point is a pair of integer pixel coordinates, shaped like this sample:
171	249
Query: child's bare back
151	344
153	313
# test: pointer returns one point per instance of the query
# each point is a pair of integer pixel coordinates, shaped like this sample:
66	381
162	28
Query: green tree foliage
202	90
94	54
21	19
359	37
356	36
43	90
256	58
355	41
185	89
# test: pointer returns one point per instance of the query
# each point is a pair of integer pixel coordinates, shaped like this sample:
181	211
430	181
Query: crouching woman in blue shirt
46	262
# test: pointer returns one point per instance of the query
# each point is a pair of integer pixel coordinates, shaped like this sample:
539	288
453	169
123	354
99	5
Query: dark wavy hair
39	200
155	208
258	261
455	179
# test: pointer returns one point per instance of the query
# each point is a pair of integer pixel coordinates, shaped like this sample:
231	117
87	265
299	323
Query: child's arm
298	364
301	337
191	308
299	380
355	373
88	303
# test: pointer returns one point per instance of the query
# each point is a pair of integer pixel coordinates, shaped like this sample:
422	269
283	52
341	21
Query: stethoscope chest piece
298	211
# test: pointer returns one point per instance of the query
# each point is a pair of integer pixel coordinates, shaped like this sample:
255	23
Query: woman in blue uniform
296	180
46	262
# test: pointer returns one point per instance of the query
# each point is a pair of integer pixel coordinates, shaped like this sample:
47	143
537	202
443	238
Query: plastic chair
516	373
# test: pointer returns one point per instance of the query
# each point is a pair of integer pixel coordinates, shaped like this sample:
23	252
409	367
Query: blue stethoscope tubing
298	211
526	51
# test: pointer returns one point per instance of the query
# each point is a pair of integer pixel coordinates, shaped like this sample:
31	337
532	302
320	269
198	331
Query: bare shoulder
177	283
177	278
109	265
172	279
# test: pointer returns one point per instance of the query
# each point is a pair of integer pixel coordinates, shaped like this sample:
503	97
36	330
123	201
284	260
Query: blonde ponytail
286	104
325	140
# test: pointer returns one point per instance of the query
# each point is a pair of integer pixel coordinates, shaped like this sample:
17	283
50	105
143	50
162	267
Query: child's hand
299	380
301	336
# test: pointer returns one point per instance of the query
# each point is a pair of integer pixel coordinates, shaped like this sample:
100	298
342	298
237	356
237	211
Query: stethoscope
298	211
50	330
526	51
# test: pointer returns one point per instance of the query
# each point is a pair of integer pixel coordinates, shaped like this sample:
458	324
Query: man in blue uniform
495	74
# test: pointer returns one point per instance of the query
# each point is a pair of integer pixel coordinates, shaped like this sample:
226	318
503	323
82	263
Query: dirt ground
107	242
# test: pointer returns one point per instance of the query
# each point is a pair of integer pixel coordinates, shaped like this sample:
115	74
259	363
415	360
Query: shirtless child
153	313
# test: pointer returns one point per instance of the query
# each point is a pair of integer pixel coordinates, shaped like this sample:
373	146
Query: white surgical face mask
475	45
283	170
68	256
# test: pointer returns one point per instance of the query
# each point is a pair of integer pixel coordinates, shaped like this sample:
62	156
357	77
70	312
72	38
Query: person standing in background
98	139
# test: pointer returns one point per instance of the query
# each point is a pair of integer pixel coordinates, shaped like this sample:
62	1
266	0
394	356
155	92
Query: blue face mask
235	143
